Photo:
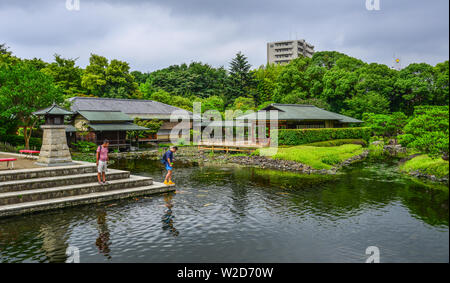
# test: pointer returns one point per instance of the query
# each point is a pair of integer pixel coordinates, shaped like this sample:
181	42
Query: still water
245	215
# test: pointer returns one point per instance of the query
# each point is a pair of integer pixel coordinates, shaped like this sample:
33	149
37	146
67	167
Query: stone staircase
32	190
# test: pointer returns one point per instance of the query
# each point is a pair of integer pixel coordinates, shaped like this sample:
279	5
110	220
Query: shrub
15	140
385	125
426	165
305	136
331	159
377	152
428	131
6	147
85	146
338	142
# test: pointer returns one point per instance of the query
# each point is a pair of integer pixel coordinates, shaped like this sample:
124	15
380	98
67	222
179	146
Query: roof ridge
101	111
111	98
302	105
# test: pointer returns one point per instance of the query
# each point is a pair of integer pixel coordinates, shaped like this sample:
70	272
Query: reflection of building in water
167	218
54	241
103	240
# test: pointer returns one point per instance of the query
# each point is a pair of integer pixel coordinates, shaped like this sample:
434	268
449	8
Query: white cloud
155	34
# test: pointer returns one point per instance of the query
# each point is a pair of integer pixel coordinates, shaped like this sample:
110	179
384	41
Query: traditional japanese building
97	119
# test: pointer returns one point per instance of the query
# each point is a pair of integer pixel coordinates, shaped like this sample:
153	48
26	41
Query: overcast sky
153	34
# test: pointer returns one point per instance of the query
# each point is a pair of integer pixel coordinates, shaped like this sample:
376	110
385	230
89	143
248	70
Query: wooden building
104	114
96	126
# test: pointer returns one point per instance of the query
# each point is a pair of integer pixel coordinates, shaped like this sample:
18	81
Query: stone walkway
20	163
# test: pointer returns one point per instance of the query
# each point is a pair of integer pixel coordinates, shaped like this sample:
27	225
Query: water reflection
54	241
246	215
168	218
103	239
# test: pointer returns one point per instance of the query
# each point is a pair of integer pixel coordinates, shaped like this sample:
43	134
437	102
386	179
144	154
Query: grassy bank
426	165
319	157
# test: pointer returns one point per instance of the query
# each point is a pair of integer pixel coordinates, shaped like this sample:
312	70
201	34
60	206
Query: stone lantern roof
53	110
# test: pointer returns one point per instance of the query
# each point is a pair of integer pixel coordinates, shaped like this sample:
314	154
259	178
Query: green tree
414	86
104	79
244	104
174	100
197	79
153	127
213	103
240	79
441	79
139	77
66	75
120	83
326	59
293	80
386	125
266	79
94	77
339	85
371	102
378	80
23	90
6	56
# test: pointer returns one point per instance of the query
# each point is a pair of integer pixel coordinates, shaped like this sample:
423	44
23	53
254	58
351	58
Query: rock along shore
191	154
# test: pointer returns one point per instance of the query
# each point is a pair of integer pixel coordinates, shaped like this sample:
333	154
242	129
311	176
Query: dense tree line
330	80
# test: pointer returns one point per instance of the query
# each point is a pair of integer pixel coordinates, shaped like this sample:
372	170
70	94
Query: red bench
30	152
8	160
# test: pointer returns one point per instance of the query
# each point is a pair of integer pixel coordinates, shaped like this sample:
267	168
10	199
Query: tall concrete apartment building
282	52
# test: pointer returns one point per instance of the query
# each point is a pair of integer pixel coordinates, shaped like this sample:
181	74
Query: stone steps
32	190
64	180
35	206
72	190
23	174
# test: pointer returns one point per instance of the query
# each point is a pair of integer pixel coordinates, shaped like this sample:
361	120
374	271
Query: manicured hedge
20	140
304	136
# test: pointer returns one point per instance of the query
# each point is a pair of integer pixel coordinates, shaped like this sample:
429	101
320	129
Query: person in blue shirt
168	162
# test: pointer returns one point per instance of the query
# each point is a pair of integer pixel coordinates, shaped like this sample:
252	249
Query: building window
311	126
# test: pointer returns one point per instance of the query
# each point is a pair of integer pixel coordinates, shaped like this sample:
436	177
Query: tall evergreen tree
240	80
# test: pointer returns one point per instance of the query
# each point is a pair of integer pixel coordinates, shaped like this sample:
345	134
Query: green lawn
427	165
319	157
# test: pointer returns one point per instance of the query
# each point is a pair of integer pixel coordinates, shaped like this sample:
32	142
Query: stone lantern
54	150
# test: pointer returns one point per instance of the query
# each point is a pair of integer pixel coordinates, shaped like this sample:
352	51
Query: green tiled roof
106	116
70	129
117	127
53	110
300	112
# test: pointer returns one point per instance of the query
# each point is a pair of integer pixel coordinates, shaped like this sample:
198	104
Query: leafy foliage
16	140
109	79
427	165
306	136
24	90
385	125
85	146
428	131
153	125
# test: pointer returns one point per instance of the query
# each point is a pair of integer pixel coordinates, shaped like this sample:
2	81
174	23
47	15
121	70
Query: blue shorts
168	167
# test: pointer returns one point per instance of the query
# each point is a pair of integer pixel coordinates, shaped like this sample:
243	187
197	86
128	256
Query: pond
236	214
